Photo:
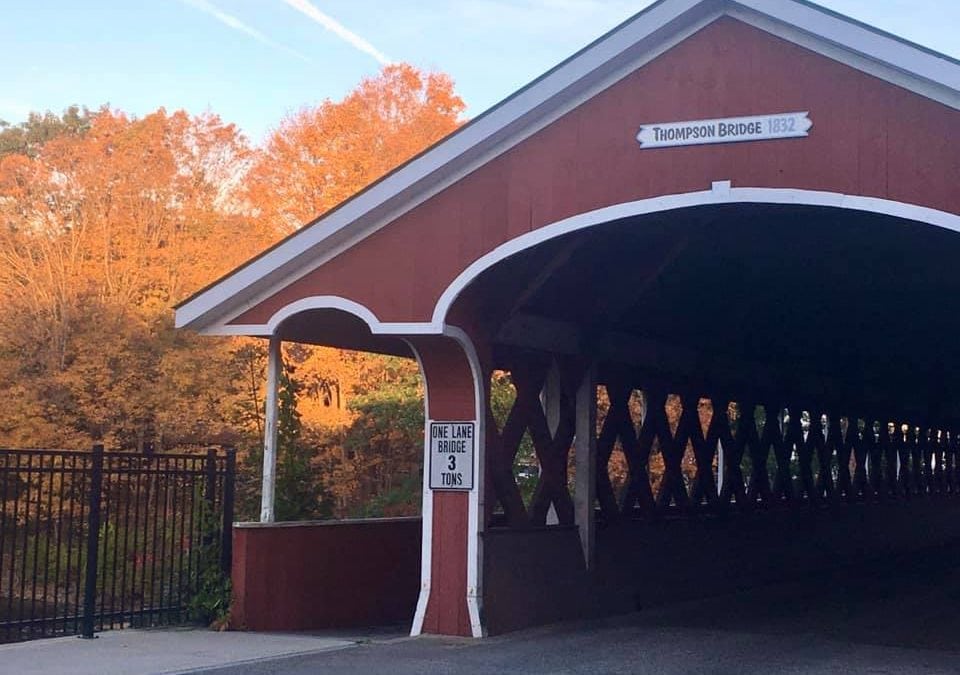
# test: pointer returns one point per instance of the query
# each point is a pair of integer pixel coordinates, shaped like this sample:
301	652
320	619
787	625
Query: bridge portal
714	254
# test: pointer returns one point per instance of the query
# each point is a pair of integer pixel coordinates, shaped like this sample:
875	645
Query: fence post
209	494
93	541
226	529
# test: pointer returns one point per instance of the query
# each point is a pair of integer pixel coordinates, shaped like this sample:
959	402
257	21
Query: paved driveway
899	617
619	647
902	616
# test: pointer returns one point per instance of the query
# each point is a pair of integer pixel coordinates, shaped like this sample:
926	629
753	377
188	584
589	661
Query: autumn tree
299	489
28	137
102	228
107	220
320	156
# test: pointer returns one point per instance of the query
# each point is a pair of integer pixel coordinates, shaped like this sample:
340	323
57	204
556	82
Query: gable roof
598	66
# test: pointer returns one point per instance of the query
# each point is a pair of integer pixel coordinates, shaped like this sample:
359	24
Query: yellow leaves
131	209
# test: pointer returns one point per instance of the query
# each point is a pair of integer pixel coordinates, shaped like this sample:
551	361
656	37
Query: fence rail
97	540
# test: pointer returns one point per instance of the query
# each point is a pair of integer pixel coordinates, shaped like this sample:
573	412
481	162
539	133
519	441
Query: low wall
331	574
535	577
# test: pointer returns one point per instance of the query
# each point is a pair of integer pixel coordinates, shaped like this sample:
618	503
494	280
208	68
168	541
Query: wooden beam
611	307
528	331
704	373
585	448
556	263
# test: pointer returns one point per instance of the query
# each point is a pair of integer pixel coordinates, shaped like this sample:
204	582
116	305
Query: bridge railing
678	454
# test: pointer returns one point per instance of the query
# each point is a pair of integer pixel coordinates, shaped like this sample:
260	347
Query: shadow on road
898	615
910	601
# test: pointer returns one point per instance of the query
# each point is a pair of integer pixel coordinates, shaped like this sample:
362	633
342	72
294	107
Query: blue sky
252	61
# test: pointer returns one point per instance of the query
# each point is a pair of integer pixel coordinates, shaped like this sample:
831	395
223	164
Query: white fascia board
598	67
858	46
862	38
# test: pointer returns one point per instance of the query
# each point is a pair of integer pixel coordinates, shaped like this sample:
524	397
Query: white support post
586	454
274	363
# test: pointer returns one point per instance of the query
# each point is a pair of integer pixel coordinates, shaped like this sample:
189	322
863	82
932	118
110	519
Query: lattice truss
686	453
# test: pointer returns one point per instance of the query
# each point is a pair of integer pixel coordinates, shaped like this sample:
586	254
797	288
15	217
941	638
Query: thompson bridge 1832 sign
725	130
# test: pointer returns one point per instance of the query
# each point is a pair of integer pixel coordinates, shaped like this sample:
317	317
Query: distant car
527	472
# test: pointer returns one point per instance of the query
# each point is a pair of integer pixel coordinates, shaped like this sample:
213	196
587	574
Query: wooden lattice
552	449
798	456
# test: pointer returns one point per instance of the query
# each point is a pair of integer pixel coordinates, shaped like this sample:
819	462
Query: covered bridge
748	210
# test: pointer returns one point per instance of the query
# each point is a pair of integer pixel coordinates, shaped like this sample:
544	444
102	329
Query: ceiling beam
686	370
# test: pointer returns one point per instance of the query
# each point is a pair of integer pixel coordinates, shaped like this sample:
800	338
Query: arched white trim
426	509
721	193
336	302
323	302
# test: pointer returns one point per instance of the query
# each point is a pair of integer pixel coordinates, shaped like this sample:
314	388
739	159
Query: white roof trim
599	66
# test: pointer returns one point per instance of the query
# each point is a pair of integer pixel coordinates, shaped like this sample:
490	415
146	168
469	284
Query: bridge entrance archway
769	322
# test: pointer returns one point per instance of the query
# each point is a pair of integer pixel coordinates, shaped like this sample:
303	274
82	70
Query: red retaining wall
336	574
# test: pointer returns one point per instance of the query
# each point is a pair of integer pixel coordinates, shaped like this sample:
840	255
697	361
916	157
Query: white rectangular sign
728	130
452	446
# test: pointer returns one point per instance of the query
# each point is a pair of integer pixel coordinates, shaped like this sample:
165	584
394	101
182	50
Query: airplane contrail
312	12
233	22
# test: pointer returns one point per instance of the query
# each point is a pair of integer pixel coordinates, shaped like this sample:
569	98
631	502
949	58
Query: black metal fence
98	540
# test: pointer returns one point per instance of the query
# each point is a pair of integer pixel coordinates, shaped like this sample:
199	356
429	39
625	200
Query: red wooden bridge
736	221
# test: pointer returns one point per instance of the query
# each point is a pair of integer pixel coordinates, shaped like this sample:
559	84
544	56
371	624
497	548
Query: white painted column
271	411
585	446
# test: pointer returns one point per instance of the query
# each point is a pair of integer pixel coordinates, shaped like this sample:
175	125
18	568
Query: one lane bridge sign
452	446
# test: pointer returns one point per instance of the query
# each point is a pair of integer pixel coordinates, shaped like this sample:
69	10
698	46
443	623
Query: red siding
325	575
869	138
451	397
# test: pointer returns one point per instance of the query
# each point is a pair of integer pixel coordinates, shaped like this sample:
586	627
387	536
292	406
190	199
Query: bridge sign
452	446
727	130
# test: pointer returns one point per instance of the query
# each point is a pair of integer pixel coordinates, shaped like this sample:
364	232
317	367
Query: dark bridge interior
811	355
837	307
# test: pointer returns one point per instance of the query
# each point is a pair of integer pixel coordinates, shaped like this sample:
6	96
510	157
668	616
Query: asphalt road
902	616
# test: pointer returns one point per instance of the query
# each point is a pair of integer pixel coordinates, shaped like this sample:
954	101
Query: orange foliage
107	220
99	233
318	157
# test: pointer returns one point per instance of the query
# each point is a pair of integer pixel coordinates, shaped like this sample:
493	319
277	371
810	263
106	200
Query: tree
102	228
363	412
107	220
27	138
318	157
382	448
299	491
